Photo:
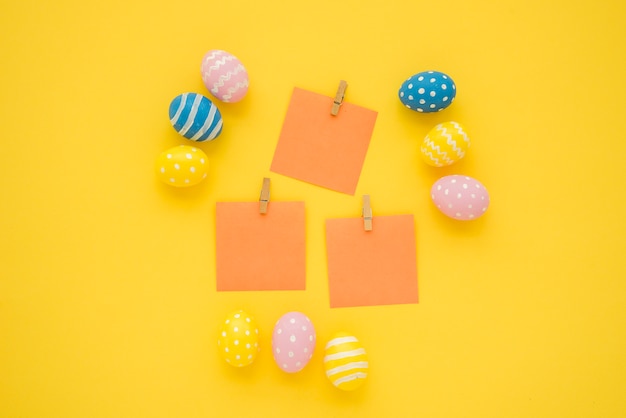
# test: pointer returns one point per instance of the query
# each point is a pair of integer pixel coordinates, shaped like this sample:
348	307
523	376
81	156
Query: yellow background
108	305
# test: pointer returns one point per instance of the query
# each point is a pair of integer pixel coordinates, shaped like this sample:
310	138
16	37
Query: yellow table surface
108	305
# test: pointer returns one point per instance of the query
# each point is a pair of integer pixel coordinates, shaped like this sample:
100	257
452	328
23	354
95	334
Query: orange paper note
322	149
257	251
376	267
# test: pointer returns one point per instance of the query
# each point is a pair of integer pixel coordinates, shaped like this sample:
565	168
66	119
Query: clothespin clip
341	92
367	213
264	200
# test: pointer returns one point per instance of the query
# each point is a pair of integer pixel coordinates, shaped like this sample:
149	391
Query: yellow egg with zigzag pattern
445	144
345	361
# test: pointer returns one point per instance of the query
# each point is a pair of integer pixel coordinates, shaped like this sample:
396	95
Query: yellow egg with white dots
238	342
182	166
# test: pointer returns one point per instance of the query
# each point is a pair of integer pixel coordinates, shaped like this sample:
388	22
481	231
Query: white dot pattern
238	344
293	341
430	91
182	166
456	200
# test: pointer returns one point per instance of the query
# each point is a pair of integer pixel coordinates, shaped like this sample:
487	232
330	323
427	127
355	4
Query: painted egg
345	361
224	75
238	342
293	341
195	117
428	91
445	144
182	166
460	197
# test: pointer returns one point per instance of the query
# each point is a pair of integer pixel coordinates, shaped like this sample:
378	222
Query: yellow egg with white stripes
445	144
345	361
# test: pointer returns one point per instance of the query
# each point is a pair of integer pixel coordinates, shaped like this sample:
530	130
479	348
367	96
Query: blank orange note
257	251
377	267
322	149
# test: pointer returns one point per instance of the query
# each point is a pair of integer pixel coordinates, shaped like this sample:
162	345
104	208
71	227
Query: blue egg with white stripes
427	92
195	117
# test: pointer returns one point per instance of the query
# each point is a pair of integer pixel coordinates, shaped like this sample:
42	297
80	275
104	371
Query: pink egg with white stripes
460	197
293	341
224	76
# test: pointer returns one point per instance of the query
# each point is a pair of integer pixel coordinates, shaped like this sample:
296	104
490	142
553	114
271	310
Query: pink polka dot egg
224	76
293	341
460	197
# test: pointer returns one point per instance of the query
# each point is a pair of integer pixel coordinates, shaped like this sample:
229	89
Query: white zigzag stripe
431	157
207	124
428	143
233	90
220	82
461	132
452	142
219	63
226	77
435	159
192	115
214	53
445	134
459	151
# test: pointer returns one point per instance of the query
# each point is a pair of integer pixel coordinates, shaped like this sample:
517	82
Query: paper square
260	251
322	149
367	268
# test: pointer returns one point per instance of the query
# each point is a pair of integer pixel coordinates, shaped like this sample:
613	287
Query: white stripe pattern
341	340
192	114
207	123
347	367
216	130
350	377
344	354
181	106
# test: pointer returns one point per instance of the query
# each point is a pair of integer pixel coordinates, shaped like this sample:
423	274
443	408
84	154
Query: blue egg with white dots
427	92
195	117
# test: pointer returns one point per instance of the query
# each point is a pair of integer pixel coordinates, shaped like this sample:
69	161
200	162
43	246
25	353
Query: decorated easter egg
345	361
238	342
224	75
428	91
445	144
293	341
460	197
182	166
195	117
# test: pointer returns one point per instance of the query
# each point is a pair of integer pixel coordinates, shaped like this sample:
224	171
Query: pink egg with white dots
293	341
460	197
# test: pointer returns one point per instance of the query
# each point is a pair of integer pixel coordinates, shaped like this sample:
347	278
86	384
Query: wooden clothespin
264	200
341	92
367	213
